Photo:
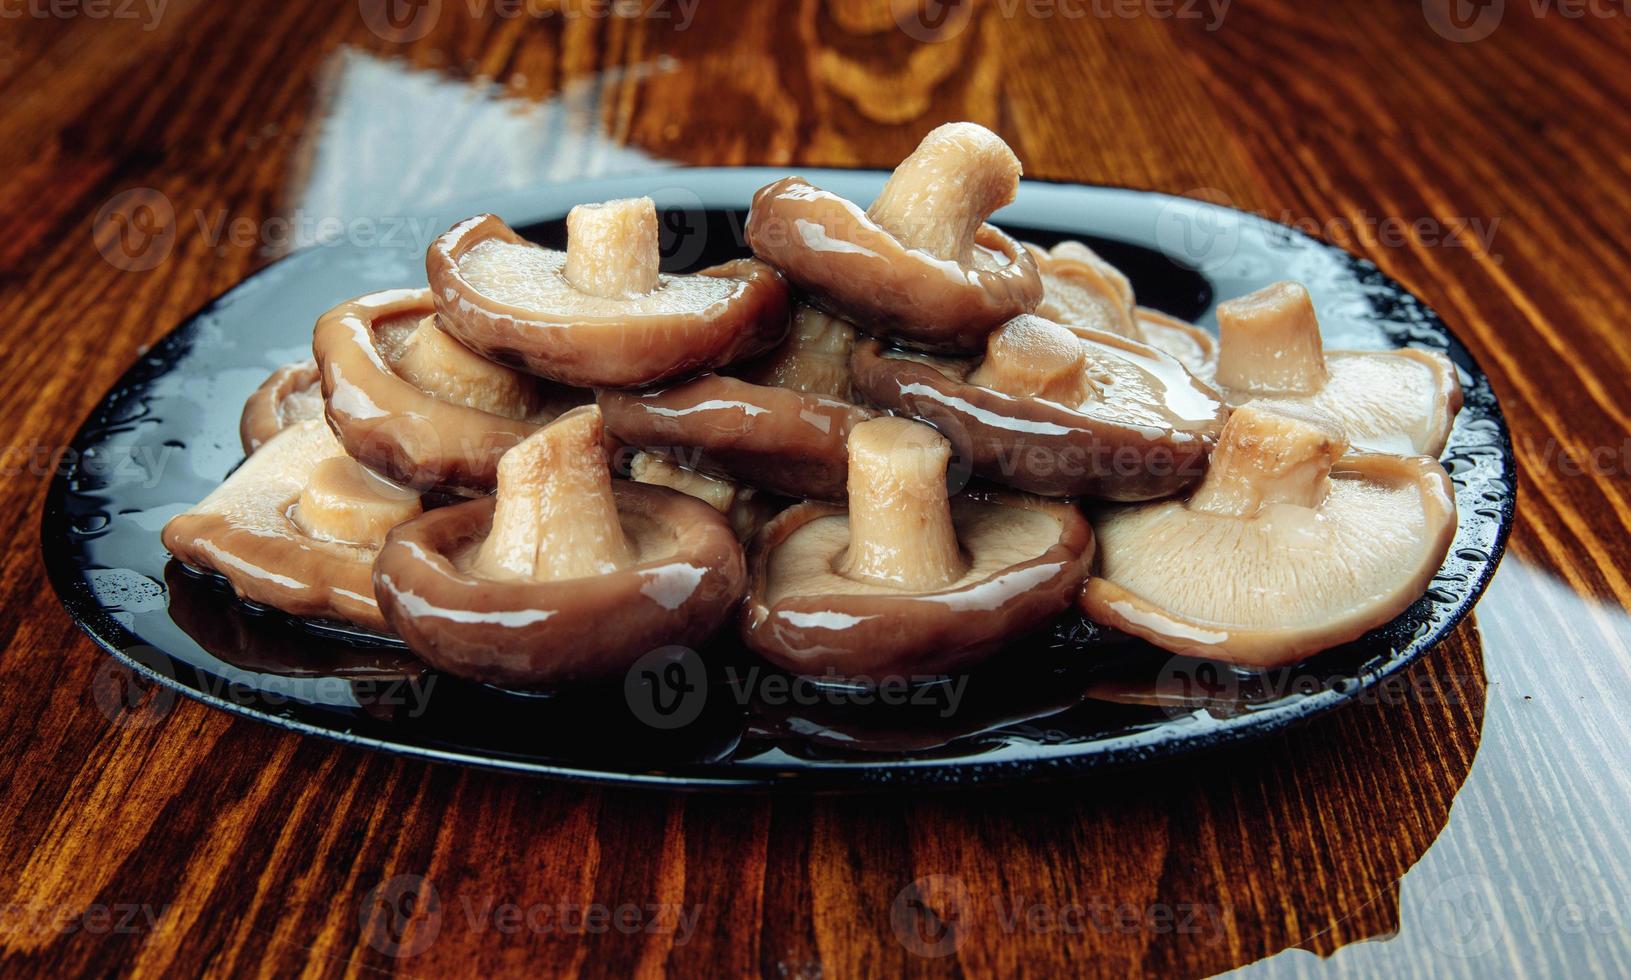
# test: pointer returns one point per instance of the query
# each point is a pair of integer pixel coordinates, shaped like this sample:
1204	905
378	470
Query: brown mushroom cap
292	394
920	267
779	440
908	582
1287	548
378	358
1398	401
566	575
518	303
296	527
1133	425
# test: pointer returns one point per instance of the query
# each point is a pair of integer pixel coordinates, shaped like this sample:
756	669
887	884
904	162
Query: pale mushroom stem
345	502
661	472
1269	341
556	517
612	249
1030	357
434	362
1266	457
814	358
939	196
901	534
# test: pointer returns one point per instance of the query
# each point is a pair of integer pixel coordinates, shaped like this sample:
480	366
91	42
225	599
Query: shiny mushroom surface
1057	412
600	313
780	440
291	394
920	267
1395	401
565	575
1287	548
296	527
414	404
907	581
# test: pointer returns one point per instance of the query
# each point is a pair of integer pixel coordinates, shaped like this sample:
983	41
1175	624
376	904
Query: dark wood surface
1472	822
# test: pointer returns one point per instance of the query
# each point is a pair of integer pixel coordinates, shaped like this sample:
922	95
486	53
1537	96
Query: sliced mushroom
1398	401
1287	548
1057	412
777	439
907	581
566	575
600	314
296	527
290	395
920	267
1080	289
745	507
413	403
814	358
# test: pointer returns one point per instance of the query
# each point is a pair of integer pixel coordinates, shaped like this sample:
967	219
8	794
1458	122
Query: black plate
1072	700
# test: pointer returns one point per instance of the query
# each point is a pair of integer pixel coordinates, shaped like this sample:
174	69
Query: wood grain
1460	820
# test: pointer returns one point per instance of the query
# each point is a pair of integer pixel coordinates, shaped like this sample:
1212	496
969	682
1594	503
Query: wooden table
1472	822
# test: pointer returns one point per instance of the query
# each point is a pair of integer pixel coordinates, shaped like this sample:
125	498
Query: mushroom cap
1028	557
1194	348
1081	289
1283	584
244	532
788	442
522	311
536	633
290	395
1147	436
390	424
854	269
1401	401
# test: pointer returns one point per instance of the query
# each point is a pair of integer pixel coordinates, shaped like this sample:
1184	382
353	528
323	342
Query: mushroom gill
439	365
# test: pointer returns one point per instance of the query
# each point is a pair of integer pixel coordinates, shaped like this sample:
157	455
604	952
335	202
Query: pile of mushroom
801	425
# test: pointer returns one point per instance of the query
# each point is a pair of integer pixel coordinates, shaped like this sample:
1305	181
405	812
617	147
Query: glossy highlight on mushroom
566	575
1396	401
296	527
1290	546
920	267
1057	412
414	404
908	581
600	314
291	394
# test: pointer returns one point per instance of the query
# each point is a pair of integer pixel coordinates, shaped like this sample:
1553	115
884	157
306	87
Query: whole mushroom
296	527
1397	401
920	267
600	314
907	581
1055	411
291	394
414	404
566	575
1288	546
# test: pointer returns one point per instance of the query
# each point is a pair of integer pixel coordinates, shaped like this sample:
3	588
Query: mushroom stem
901	534
344	501
814	358
612	249
436	363
556	517
1030	357
1266	457
1269	341
939	196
